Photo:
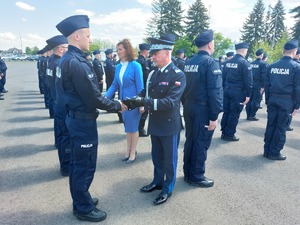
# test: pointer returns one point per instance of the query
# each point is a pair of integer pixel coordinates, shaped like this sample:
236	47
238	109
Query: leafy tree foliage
296	28
197	19
221	44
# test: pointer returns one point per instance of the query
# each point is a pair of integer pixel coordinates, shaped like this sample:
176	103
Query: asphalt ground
249	189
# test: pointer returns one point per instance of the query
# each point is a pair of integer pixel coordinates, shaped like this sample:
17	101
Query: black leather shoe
276	157
96	215
1	98
252	118
4	91
260	107
150	187
227	138
143	133
289	128
95	203
206	183
162	198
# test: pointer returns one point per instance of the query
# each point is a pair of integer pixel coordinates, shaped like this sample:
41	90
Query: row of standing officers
209	91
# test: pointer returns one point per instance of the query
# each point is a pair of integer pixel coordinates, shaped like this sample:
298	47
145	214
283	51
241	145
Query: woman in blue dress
129	82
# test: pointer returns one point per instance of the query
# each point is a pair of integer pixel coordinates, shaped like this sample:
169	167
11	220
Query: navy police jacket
237	74
163	101
283	79
180	63
109	67
98	69
146	64
77	85
204	83
51	74
259	71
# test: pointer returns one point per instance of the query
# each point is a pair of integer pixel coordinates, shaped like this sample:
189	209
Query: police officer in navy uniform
202	103
296	58
146	65
229	55
59	46
259	71
180	59
163	92
109	68
3	69
38	65
98	68
44	65
282	90
79	90
237	83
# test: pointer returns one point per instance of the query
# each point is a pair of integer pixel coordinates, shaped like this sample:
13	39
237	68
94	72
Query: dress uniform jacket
163	102
282	91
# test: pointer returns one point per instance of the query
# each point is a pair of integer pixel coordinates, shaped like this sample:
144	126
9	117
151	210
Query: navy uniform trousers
84	145
254	103
198	140
279	116
165	156
232	110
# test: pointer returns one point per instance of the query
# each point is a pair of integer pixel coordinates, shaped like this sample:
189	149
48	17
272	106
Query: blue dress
131	85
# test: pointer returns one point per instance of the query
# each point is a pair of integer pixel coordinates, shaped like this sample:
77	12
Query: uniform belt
83	115
281	95
234	88
196	102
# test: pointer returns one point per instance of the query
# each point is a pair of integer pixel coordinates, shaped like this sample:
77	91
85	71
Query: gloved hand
134	102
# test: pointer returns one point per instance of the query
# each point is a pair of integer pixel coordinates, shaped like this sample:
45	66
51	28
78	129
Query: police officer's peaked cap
242	45
179	51
87	53
265	55
259	52
165	41
40	52
144	46
291	45
56	41
73	23
47	48
96	52
298	51
108	51
204	38
228	54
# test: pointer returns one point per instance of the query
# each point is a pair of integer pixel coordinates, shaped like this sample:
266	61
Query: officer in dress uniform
282	90
259	71
202	103
180	59
146	64
237	83
109	68
79	90
98	68
163	92
59	46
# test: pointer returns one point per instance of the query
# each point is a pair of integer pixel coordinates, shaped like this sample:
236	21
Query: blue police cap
242	45
108	51
259	52
47	48
87	53
96	52
56	40
291	45
179	51
73	23
40	52
144	46
228	54
204	38
165	41
298	51
265	56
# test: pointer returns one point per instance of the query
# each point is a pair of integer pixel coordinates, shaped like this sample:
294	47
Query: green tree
296	27
28	50
267	22
197	19
221	44
253	29
186	44
276	54
101	44
277	23
167	18
34	50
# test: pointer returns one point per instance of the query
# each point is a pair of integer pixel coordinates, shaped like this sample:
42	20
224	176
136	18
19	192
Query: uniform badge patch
177	83
163	83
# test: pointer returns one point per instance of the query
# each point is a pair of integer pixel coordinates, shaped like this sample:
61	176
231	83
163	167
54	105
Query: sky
30	23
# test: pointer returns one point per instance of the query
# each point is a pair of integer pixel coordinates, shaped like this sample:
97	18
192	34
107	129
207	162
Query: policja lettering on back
281	71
